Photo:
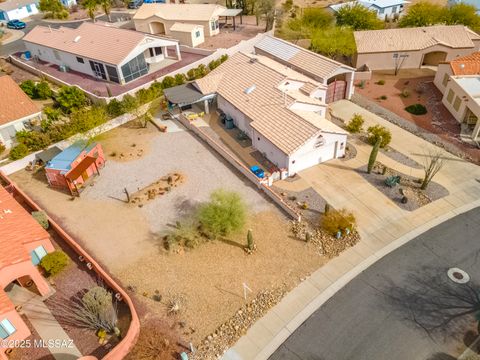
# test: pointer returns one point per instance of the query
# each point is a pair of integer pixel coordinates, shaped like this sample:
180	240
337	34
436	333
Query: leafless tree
433	162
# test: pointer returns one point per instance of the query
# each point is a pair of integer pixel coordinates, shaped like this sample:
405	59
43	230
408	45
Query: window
394	9
57	55
155	51
319	142
197	34
450	96
258	138
456	103
213	25
381	11
445	80
6	328
80	60
37	254
112	74
135	68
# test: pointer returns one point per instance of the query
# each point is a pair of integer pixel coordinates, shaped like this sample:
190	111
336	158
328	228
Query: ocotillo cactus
373	154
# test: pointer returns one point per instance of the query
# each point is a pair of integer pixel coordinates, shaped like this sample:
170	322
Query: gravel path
401	158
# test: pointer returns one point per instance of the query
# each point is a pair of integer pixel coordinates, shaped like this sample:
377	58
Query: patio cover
185	94
230	12
78	170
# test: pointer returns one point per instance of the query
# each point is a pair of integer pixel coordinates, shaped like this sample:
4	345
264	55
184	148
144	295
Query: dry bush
336	220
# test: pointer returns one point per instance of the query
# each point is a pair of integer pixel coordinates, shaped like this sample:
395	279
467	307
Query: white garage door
313	158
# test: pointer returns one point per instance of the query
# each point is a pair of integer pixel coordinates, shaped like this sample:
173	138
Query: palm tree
106	6
91	7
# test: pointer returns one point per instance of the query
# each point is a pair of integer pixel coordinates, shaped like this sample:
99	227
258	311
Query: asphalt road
399	308
18	46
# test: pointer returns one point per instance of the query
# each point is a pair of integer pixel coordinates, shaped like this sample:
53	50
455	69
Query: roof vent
253	60
462	66
250	89
77	39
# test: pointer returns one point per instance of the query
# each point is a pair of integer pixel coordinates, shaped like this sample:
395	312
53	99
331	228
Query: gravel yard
127	239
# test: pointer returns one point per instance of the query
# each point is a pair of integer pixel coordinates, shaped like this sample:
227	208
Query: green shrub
71	98
214	64
191	74
338	220
129	103
34	140
180	79
361	84
2	148
28	87
224	214
114	108
87	118
51	113
416	109
355	124
54	262
43	90
168	82
18	152
223	58
201	71
380	82
374	132
41	218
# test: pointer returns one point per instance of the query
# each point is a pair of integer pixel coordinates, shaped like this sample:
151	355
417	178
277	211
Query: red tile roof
17	227
5	303
15	104
466	65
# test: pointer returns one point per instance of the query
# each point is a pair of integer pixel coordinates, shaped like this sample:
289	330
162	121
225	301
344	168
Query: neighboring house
459	82
336	79
103	52
160	18
16	110
69	3
475	3
23	244
72	168
384	8
281	110
17	9
411	48
188	34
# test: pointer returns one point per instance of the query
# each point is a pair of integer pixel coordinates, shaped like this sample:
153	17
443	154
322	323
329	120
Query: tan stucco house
161	18
411	48
459	82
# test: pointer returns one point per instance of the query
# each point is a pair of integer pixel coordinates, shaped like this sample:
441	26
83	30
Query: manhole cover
458	275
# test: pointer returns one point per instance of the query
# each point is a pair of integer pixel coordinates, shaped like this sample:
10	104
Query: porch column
207	108
476	130
350	86
177	49
40	281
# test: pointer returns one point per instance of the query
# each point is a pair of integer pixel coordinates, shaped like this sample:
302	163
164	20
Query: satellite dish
250	89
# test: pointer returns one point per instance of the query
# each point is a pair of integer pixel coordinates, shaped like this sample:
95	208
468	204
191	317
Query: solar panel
277	48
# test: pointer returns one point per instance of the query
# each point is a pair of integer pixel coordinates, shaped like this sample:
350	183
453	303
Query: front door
98	69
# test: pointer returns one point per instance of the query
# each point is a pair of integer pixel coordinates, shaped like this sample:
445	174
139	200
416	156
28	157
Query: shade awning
183	94
78	170
48	154
230	12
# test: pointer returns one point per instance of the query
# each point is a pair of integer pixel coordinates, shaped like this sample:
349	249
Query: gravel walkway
401	158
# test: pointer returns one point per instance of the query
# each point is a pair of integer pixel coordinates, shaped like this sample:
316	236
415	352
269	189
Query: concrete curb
16	35
289	327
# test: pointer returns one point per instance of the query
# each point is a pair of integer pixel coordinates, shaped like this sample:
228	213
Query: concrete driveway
371	317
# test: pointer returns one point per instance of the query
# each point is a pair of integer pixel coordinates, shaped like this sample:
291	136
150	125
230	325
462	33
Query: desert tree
90	6
433	162
106	6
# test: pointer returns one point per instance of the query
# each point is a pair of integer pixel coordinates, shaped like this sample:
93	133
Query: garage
312	158
434	58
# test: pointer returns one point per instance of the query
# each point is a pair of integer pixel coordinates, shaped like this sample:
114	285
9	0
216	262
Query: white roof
382	4
471	85
184	27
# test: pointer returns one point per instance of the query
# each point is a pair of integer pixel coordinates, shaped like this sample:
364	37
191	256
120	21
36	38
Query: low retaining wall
130	338
362	75
237	164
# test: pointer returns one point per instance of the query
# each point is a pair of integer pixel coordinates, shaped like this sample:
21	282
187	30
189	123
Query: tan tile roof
179	12
265	105
95	41
14	103
15	4
184	27
299	57
209	84
308	88
466	65
17	227
411	39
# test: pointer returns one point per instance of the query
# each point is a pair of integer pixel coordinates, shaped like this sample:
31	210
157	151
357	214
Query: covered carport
232	13
184	96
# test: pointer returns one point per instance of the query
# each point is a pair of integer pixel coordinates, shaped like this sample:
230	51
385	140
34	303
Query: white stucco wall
21	13
442	71
190	38
270	151
8	131
239	118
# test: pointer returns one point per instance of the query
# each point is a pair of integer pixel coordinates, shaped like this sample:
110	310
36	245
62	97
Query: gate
336	91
